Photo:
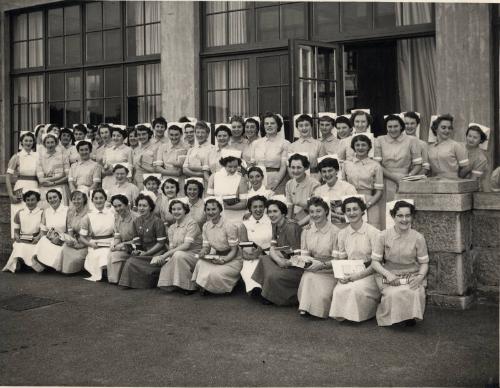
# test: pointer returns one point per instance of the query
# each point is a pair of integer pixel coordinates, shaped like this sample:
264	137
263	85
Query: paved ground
102	335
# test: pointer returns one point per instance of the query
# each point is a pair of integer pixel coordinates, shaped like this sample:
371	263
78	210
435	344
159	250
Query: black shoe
410	322
255	293
188	292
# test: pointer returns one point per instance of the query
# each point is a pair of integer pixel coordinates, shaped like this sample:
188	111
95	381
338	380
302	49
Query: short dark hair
302	158
402	204
85	198
303	117
80	127
173	182
160	120
29	193
228	159
413	115
143	128
357	200
256	198
343	120
252	120
50	135
81	143
437	121
53	191
102	126
392	118
122	132
118	166
478	130
238	119
183	119
213	200
202	125
198	184
28	134
362	138
69	132
357	113
281	206
224	128
326	118
120	197
255	168
276	118
96	191
152	178
147	198
185	206
329	162
175	128
317	201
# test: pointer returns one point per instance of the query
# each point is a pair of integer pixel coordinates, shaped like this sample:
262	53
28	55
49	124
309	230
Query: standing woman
67	141
412	121
169	190
74	251
117	152
251	133
123	232
448	158
218	276
121	185
197	156
185	242
104	133
150	239
193	189
478	162
26	234
319	241
361	121
299	189
278	279
53	168
238	140
53	227
84	175
229	184
96	233
401	260
257	228
222	134
356	296
367	177
144	155
306	143
398	154
271	151
23	165
256	180
170	156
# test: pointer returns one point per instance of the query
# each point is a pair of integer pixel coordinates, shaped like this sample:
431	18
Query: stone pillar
444	217
486	243
180	50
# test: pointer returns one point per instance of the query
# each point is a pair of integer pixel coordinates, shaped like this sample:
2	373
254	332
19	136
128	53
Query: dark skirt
279	285
139	273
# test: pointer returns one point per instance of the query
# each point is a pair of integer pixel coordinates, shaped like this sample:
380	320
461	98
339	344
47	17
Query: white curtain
413	13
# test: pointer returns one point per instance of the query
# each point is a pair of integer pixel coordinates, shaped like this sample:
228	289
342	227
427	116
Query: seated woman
278	279
319	241
299	189
401	260
177	264
257	229
74	251
150	237
218	275
121	247
96	232
26	234
448	158
478	162
356	296
53	227
152	184
194	193
121	185
255	180
169	190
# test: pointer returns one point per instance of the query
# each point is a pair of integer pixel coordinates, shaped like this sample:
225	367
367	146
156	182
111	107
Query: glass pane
385	15
326	97
326	63
94	46
73	49
112	45
217	107
36	88
55	22
215	6
284	69
216	30
20	57
152	78
73	86
152	11
269	99
238	102
238	74
20	90
216	75
326	19
268	21
113	82
56	113
356	17
306	62
350	80
306	96
234	5
152	39
56	87
36	114
55	51
293	21
94	84
93	112
238	32
21	27
133	104
21	118
408	14
36	53
135	41
72	20
73	113
135	13
111	14
94	16
285	108
268	70
112	110
135	80
35	25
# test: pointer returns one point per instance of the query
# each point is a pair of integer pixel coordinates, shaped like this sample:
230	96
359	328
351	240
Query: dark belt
27	234
28	177
222	253
102	237
272	169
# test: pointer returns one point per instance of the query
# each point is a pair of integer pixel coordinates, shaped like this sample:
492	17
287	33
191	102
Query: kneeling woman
319	240
26	234
356	296
219	275
402	277
96	233
185	242
278	279
149	234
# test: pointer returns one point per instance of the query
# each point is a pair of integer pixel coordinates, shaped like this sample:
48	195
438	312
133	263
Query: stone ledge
487	294
451	273
486	201
439	186
440	202
487	266
450	301
486	229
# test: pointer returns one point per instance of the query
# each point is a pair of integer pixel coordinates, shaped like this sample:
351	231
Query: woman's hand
392	279
221	260
137	252
158	260
315	266
283	263
17	238
416	281
94	245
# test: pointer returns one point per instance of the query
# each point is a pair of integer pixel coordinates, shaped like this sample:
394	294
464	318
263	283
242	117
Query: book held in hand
26	237
103	244
300	261
345	268
248	244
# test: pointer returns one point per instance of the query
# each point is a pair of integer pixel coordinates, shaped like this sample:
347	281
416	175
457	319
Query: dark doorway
371	80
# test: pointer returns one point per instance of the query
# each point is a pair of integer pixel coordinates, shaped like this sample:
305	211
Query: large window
89	62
